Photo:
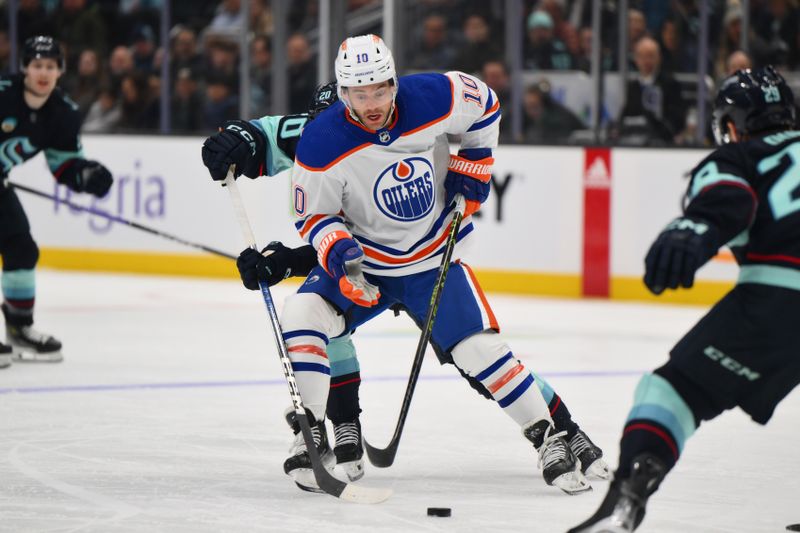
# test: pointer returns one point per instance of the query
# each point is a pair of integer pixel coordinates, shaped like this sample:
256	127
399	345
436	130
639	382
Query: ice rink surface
166	416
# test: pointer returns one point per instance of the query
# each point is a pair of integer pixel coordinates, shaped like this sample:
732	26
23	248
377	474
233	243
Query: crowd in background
114	56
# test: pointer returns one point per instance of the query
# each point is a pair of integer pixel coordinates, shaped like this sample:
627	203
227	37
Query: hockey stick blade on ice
384	457
120	220
326	481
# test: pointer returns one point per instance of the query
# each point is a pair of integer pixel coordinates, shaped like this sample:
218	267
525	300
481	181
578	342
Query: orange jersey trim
332	163
492	319
374	254
494	108
310	223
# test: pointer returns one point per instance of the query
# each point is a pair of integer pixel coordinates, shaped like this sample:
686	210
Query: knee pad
310	313
478	352
699	402
19	252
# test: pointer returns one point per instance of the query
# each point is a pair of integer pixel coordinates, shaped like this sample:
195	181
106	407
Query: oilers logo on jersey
404	191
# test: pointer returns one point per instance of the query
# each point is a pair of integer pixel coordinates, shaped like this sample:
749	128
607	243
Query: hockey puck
793	527
439	511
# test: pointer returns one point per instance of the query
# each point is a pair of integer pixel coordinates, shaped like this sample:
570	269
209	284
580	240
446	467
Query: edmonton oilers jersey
751	192
386	187
24	132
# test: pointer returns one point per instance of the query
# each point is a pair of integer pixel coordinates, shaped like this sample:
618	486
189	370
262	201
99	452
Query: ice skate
349	450
623	508
30	345
559	465
298	465
5	355
590	455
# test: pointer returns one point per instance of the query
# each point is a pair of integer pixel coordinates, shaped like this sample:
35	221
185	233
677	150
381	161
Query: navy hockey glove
87	176
239	143
341	257
683	247
275	263
469	173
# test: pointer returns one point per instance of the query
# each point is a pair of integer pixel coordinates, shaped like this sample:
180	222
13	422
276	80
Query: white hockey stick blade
358	494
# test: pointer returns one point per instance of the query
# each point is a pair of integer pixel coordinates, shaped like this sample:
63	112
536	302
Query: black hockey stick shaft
124	221
325	480
384	457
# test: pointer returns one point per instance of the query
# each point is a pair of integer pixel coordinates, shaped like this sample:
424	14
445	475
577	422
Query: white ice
166	416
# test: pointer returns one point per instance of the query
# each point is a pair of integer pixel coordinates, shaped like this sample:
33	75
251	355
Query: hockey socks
659	423
19	291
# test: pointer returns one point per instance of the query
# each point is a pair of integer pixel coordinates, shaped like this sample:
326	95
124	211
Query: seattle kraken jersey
282	134
751	192
24	132
385	188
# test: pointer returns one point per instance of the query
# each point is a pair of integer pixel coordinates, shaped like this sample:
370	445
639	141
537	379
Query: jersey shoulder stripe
423	100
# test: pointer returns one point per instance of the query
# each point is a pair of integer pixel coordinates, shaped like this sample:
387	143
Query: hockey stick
383	458
326	482
135	225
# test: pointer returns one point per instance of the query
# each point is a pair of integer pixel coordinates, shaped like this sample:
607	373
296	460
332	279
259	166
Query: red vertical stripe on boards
596	221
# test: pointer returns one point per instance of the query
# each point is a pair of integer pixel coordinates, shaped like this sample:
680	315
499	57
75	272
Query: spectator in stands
187	103
637	27
654	108
143	48
221	103
737	61
479	45
229	19
84	86
104	114
120	64
260	18
140	111
583	59
302	72
545	119
495	74
222	59
778	25
184	52
79	27
260	75
556	9
671	50
730	40
543	50
435	50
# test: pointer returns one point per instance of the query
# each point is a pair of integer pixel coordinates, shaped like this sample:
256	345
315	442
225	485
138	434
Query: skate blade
304	477
598	470
572	483
606	525
22	355
354	470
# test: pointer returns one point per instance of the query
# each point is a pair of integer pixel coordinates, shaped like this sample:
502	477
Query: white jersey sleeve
317	197
475	113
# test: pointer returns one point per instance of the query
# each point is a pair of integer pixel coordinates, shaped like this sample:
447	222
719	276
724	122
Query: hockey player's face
41	76
372	103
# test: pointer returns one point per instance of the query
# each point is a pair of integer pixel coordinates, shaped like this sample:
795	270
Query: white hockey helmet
364	60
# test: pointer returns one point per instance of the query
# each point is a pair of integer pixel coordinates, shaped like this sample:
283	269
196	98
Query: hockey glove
469	173
679	251
87	176
275	263
341	257
239	143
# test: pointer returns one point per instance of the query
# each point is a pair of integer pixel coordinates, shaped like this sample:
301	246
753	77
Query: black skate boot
30	345
559	465
298	465
590	455
5	355
623	508
348	449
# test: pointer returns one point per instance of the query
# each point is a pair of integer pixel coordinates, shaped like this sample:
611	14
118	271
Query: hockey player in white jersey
373	186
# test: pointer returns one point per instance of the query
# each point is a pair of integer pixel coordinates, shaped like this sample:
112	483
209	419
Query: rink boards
562	221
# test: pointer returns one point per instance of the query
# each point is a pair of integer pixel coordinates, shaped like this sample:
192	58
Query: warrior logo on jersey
404	191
